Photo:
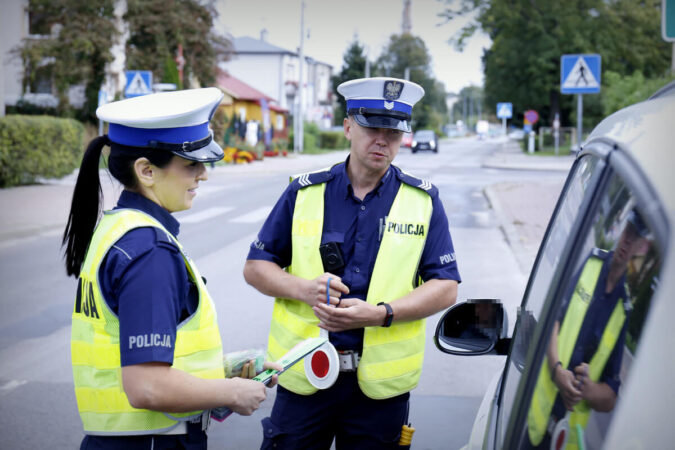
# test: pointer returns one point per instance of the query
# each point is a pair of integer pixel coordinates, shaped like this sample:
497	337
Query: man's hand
352	313
248	371
569	387
315	291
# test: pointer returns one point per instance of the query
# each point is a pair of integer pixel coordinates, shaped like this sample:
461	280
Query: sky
332	25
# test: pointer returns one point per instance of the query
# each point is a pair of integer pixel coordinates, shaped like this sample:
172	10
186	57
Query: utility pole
300	126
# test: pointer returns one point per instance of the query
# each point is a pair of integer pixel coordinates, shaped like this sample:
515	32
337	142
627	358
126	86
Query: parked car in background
516	134
596	319
424	140
407	140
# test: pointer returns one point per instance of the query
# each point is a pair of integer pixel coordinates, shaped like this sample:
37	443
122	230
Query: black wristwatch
390	314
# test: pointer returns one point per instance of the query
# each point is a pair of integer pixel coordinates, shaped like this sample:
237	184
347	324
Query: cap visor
382	122
210	153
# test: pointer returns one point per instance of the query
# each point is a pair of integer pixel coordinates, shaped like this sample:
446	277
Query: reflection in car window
598	321
541	278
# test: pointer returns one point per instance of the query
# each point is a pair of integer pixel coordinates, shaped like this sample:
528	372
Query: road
37	404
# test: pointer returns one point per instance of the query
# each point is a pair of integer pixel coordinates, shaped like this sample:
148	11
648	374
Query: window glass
598	320
541	277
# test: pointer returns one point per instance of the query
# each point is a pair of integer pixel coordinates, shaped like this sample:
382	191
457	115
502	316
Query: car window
598	315
425	134
586	173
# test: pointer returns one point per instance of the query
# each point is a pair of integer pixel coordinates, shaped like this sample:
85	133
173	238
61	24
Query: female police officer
146	350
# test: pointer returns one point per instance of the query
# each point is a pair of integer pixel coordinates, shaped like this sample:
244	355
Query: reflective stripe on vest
545	391
392	357
95	348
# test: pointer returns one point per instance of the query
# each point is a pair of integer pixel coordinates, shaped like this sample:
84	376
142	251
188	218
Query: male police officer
377	233
582	369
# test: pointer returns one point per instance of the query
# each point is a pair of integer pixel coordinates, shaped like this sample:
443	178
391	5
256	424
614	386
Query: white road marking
257	215
206	214
12	384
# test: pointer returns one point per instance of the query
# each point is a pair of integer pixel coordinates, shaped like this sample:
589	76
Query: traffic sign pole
504	126
580	112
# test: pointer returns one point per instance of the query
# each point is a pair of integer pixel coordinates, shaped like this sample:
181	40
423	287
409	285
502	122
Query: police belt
182	428
349	360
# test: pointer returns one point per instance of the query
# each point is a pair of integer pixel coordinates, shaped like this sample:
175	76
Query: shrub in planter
38	146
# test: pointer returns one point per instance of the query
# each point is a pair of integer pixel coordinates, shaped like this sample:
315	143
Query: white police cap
381	102
174	121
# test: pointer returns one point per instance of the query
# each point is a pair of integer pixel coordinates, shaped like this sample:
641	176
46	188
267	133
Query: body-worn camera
331	256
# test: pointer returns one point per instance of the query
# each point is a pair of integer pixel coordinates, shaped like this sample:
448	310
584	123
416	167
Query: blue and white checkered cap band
141	137
379	104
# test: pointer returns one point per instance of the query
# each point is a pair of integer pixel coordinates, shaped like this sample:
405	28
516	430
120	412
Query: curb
509	231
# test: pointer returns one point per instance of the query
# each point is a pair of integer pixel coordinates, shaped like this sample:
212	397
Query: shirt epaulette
600	253
310	178
163	239
417	182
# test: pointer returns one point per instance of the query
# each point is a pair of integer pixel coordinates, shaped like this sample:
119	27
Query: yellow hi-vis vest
95	347
545	390
392	357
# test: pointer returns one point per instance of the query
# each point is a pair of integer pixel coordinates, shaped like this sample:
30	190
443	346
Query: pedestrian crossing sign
580	74
139	82
504	110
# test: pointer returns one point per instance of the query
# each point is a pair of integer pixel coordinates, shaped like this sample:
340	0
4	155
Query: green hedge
333	140
32	146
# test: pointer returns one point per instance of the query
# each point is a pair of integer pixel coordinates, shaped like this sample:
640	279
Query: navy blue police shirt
144	281
356	225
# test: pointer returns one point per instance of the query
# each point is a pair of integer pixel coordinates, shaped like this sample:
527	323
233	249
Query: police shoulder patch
307	179
419	183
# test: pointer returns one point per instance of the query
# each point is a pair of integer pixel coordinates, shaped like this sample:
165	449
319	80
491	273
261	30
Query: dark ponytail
85	207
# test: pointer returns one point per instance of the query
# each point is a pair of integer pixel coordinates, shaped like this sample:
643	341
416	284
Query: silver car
590	364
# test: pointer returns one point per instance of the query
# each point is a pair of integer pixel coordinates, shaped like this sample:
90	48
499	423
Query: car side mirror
474	327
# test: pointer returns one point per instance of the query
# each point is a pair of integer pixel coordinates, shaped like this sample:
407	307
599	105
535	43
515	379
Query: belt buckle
349	360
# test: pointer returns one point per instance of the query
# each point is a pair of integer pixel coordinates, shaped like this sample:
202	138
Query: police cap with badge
177	122
381	102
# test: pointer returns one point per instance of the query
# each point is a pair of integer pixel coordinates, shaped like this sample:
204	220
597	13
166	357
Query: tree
529	37
406	52
469	105
353	66
157	27
75	48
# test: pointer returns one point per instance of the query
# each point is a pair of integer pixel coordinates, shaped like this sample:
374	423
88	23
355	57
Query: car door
574	314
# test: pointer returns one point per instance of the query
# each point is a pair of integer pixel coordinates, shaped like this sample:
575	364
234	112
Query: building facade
275	71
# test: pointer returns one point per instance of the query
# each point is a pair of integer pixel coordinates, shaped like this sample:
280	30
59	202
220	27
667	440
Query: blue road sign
504	110
139	82
668	20
580	74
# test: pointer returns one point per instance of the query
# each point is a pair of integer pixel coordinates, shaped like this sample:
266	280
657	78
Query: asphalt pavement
522	208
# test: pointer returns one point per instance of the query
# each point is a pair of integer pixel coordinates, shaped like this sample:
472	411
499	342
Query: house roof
239	90
248	44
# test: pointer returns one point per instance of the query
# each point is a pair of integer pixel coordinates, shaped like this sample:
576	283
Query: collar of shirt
133	200
340	173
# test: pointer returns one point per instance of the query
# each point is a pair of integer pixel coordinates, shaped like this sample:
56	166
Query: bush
333	140
32	146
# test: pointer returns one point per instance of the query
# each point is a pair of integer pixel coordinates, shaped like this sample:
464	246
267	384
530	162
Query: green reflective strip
90	377
397	333
128	423
200	361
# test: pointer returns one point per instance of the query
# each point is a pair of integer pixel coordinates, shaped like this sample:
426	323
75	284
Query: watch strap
389	318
